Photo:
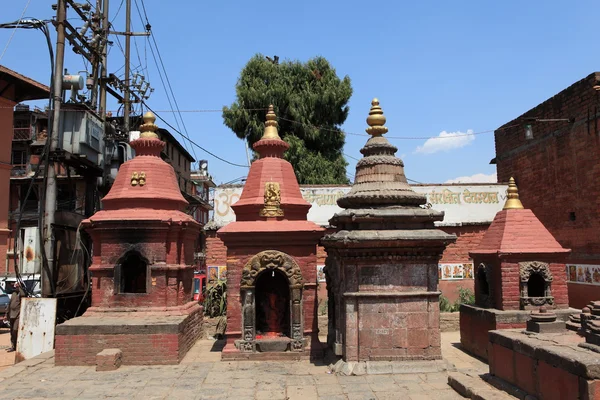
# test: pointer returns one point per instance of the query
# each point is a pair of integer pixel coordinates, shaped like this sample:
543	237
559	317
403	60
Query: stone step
475	388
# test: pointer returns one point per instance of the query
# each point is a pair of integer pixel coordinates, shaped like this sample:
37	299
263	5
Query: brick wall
558	171
216	252
76	346
467	239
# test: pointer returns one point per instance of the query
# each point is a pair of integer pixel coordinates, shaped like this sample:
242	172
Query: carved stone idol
272	206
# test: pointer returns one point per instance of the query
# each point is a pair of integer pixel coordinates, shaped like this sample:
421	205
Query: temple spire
148	128
271	144
376	120
271	132
512	200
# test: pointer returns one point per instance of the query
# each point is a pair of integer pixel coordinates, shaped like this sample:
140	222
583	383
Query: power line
170	88
191	141
15	30
214	110
117	13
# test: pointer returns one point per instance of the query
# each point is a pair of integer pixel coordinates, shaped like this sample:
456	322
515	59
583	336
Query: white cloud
477	178
446	141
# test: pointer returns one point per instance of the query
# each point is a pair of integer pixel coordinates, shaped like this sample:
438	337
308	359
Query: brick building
14	88
469	210
552	152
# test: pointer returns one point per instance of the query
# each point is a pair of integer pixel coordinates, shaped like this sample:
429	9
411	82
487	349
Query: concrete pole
48	288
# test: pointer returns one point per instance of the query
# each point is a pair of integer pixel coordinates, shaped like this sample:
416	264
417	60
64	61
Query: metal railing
22	133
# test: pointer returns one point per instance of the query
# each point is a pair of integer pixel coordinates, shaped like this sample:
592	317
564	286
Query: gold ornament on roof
148	128
135	179
271	125
376	120
512	198
272	206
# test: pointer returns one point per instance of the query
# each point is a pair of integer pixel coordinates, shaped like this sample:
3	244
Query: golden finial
148	128
271	125
512	200
376	120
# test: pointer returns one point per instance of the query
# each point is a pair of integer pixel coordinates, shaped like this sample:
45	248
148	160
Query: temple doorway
272	305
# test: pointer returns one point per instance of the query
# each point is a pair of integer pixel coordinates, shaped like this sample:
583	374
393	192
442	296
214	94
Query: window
19	157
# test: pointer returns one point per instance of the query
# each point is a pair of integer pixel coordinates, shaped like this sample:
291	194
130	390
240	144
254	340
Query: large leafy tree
311	103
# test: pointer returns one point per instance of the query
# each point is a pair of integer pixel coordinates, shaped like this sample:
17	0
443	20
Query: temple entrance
271	297
272	305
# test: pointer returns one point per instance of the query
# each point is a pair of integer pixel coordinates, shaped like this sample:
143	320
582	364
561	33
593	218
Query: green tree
311	103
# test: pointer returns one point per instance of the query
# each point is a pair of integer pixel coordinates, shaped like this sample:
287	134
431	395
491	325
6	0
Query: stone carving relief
526	271
530	267
271	259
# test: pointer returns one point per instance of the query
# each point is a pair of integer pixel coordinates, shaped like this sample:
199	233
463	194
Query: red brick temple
519	266
142	268
382	264
271	262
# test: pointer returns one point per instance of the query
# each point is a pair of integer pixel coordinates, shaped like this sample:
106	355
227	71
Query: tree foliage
311	103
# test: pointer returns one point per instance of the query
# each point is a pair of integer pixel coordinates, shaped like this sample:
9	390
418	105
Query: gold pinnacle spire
148	128
512	200
376	120
271	126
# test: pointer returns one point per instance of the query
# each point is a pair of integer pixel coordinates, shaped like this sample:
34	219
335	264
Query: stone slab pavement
202	375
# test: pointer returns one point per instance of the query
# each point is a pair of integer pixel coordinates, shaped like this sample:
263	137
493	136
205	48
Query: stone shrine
142	268
519	266
271	262
382	263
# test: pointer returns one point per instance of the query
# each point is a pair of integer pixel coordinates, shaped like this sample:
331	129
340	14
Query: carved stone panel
271	259
527	270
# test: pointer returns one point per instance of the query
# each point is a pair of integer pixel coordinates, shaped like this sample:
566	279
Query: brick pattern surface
557	171
137	348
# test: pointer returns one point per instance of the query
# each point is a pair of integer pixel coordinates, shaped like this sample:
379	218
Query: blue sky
436	66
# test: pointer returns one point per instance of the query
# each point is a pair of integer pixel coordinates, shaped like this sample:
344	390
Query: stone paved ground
203	376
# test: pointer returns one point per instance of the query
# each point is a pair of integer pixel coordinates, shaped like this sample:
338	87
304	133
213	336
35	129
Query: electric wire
190	140
15	30
166	76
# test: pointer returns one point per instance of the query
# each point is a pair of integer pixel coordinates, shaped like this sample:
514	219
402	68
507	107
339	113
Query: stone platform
310	352
545	365
144	338
476	322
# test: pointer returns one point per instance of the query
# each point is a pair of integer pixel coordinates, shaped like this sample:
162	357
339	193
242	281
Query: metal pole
50	204
104	74
126	101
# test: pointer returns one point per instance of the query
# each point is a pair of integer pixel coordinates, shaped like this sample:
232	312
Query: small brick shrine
382	263
271	262
519	266
142	268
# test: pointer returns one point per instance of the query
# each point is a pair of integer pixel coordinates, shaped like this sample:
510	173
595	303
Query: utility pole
50	196
127	99
96	55
104	73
